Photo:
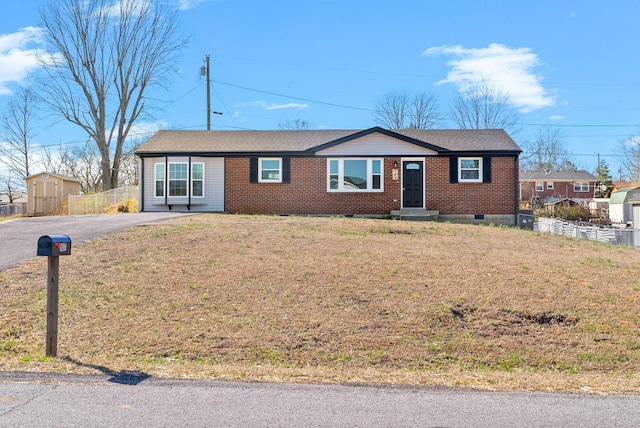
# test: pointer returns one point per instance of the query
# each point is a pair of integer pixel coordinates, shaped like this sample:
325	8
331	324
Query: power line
291	97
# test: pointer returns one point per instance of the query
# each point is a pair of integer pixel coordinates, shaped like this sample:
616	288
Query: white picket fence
99	202
612	235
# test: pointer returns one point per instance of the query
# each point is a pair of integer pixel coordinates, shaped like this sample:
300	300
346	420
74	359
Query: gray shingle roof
306	140
566	175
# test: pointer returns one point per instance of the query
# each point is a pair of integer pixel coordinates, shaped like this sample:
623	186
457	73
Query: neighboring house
456	175
538	186
48	192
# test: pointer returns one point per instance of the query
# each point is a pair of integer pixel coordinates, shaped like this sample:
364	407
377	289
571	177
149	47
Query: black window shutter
453	169
253	169
486	169
286	169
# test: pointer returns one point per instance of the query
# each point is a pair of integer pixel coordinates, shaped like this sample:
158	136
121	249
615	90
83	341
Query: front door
412	184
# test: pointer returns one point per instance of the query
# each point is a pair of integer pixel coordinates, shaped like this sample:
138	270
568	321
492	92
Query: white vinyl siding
211	185
375	144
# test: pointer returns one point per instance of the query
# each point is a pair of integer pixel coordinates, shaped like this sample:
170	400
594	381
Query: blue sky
569	64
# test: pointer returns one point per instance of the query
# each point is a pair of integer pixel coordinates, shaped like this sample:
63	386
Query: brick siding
561	189
307	191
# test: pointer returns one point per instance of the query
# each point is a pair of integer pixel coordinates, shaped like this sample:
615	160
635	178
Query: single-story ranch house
448	175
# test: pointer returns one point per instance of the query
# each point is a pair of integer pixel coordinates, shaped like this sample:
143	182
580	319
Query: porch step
415	215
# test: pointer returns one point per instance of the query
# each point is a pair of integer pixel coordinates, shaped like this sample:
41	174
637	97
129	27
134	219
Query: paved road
55	400
19	237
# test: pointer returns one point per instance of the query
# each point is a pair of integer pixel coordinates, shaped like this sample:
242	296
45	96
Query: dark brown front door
412	184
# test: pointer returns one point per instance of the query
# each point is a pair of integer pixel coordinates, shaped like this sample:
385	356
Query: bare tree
392	110
484	106
398	110
296	124
17	127
14	189
546	152
104	56
631	158
129	165
424	112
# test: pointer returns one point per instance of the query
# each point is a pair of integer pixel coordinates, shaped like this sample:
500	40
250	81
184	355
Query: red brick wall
307	191
497	197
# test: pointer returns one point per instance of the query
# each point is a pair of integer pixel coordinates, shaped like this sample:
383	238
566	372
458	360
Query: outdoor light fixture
395	164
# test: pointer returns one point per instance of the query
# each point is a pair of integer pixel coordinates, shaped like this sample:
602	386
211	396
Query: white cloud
289	105
18	53
509	70
556	117
189	4
265	106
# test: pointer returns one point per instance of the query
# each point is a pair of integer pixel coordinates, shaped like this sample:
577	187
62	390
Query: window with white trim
270	170
581	187
470	170
197	180
355	175
550	185
539	186
159	180
178	174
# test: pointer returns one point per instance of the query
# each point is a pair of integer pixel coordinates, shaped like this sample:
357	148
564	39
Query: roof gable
375	144
565	175
377	130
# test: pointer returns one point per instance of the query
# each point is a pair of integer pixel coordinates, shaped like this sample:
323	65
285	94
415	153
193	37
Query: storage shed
620	211
48	193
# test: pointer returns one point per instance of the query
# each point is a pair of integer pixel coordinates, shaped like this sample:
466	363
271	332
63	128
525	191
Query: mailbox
54	245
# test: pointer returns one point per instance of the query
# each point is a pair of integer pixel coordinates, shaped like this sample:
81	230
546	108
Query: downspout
141	184
189	185
516	184
166	180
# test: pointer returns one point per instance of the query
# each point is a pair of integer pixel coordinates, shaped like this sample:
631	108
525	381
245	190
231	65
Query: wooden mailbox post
53	246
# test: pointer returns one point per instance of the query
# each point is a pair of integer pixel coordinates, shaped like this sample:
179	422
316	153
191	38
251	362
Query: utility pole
206	71
208	93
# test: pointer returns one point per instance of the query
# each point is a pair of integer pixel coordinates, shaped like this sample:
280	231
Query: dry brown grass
335	300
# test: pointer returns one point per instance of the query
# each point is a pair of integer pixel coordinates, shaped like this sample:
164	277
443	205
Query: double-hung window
355	175
539	186
178	175
197	180
580	187
159	180
470	170
550	185
270	170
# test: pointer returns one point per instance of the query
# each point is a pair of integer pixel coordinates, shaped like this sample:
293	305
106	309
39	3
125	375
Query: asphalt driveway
19	237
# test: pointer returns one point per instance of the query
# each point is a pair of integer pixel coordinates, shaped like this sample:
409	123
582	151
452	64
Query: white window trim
169	180
370	175
267	180
155	180
581	184
539	186
193	180
549	185
460	169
